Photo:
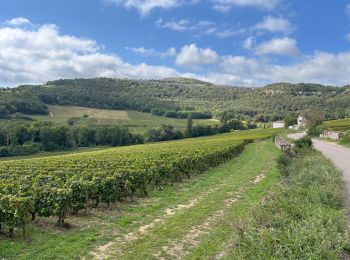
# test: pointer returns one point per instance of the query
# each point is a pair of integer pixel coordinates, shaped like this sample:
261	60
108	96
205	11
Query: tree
189	125
313	118
290	119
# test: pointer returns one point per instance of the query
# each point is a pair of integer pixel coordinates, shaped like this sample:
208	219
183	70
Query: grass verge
304	218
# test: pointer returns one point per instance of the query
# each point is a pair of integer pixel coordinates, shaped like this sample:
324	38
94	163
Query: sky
229	42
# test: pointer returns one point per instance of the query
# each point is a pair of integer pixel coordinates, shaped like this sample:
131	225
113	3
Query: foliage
290	120
270	103
29	137
338	125
316	130
303	143
57	186
346	138
313	118
302	219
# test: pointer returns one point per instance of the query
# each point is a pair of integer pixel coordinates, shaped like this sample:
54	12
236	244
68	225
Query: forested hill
177	94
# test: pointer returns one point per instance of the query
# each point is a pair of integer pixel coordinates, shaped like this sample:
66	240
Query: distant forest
176	97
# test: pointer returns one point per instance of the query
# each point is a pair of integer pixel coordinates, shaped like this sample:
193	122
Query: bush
304	142
316	130
346	138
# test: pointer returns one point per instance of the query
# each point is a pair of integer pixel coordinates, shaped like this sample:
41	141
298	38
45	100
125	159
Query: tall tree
189	125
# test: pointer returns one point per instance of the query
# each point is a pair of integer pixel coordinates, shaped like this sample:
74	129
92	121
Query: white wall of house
278	124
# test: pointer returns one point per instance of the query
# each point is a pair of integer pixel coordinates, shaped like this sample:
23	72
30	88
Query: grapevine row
61	185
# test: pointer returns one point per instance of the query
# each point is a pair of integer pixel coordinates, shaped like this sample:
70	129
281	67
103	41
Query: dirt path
180	228
339	155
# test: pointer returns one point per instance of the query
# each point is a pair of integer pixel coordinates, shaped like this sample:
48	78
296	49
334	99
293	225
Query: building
278	124
301	121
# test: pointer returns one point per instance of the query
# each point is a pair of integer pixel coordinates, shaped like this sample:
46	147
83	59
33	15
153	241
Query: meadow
137	122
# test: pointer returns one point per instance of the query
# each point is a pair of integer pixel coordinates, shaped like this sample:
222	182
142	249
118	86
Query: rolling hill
177	94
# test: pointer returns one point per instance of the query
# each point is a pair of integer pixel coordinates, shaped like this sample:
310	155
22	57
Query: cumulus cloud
192	56
226	5
275	24
17	21
279	46
152	52
146	6
321	67
42	54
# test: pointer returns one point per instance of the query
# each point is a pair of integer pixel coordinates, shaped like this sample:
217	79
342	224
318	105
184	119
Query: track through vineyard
172	220
187	228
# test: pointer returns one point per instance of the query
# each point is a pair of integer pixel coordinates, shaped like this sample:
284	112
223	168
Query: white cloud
17	21
280	46
200	28
152	52
42	54
192	56
348	9
226	5
181	25
275	24
248	43
322	67
146	6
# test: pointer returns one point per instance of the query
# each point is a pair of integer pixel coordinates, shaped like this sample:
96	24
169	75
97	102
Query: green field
338	125
134	120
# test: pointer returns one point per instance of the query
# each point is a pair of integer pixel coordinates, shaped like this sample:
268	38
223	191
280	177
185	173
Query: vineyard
62	185
338	125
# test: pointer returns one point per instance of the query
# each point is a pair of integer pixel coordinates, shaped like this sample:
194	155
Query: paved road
339	155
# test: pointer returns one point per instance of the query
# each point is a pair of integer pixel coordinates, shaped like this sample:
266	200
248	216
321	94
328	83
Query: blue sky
234	42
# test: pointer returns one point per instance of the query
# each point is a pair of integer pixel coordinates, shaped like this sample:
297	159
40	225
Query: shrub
316	130
304	142
346	138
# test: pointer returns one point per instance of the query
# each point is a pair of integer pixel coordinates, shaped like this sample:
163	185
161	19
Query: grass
183	216
338	125
134	120
303	218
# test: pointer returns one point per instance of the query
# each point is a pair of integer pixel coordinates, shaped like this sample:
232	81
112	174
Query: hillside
173	94
135	121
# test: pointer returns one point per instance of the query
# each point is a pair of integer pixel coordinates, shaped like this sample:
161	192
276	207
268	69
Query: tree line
24	137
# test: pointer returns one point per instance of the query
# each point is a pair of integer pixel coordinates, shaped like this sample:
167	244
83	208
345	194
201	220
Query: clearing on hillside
134	120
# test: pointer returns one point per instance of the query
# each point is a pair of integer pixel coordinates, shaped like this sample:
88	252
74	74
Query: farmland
134	120
338	125
59	185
